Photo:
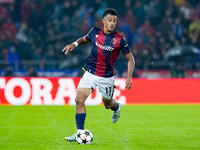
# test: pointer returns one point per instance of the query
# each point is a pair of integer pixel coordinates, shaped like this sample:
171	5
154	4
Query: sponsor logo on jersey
107	48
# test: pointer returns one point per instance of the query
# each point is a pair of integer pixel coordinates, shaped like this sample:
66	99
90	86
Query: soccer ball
84	137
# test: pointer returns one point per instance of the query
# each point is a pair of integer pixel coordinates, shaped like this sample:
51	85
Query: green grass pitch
139	127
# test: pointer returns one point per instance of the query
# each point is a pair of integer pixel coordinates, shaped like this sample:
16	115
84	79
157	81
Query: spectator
177	71
139	12
147	29
152	43
76	21
26	10
138	34
13	58
139	45
185	10
198	10
38	53
130	19
4	13
65	24
82	11
51	36
67	9
193	15
144	58
179	3
21	35
124	27
31	72
8	72
163	27
50	57
177	28
101	9
171	38
8	29
88	22
194	32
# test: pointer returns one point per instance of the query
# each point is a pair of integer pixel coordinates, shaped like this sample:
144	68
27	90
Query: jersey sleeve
124	46
88	36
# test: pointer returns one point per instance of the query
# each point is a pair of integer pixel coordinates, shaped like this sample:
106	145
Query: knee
79	101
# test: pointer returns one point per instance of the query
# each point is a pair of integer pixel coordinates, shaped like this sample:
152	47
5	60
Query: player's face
109	22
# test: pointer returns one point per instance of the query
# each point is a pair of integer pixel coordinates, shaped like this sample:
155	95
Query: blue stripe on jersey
90	64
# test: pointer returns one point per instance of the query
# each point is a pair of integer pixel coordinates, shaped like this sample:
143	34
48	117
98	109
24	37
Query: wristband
76	44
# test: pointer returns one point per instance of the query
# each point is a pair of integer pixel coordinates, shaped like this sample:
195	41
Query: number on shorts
108	90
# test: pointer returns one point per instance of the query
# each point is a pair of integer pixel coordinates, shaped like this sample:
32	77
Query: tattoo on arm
81	41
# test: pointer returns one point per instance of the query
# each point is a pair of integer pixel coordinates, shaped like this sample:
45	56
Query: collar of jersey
109	33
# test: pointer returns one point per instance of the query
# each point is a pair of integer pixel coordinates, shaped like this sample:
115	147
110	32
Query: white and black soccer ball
84	137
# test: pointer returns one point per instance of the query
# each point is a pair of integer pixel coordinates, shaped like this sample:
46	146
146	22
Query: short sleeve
124	46
88	36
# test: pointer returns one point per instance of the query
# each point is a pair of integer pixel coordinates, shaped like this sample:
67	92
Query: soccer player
99	67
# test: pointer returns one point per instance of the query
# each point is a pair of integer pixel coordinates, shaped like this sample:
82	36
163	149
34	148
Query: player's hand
68	48
128	84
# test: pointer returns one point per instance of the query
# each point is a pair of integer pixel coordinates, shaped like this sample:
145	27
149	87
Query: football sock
80	121
116	108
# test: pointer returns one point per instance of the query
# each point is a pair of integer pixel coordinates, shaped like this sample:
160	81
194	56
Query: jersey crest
113	40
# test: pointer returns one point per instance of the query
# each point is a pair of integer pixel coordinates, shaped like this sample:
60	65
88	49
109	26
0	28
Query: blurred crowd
35	31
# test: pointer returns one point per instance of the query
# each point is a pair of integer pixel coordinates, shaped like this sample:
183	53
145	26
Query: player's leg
110	103
85	87
81	96
114	106
106	88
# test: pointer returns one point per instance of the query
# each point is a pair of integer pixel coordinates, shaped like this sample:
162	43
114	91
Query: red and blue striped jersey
105	51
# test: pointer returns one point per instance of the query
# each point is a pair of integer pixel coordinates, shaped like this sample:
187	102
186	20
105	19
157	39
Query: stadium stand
33	32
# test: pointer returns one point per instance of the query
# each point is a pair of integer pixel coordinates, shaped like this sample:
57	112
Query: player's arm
81	41
131	66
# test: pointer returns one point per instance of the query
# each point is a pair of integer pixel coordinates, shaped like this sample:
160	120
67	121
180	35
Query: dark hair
110	11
